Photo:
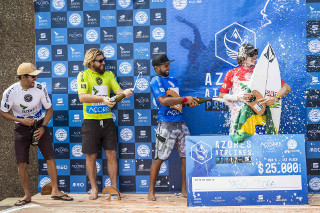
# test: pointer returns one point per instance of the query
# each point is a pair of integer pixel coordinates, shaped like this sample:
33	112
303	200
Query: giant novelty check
263	170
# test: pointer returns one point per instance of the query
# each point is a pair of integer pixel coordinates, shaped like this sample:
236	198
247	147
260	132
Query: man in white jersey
25	99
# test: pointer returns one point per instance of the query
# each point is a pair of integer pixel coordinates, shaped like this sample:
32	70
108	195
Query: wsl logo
314	115
179	4
59	69
125	67
158	33
58	4
43	53
228	41
109	51
92	35
77	151
143	151
141	17
314	46
142	84
75	19
61	134
126	134
124	3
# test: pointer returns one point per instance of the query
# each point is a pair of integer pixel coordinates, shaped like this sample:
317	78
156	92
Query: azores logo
201	152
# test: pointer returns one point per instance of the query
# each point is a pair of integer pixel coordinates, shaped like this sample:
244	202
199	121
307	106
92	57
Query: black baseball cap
160	59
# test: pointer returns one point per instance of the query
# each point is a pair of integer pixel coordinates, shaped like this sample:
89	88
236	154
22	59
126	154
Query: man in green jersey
94	86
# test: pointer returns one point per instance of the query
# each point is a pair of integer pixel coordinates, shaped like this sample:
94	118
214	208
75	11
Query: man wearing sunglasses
26	98
231	89
94	87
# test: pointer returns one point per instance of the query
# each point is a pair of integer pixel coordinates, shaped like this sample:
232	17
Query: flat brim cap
160	59
27	69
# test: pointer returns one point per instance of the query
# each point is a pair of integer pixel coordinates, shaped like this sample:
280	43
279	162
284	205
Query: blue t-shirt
159	86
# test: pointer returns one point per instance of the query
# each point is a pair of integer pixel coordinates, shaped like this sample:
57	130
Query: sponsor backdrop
203	38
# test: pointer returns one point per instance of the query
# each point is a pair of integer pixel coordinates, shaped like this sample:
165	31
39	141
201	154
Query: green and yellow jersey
91	82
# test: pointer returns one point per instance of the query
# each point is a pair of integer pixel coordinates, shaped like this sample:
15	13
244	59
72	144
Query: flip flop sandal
62	197
22	202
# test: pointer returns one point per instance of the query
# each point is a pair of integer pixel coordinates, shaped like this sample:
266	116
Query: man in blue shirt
172	128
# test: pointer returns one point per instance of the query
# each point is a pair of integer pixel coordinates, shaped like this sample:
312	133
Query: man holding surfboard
172	128
263	77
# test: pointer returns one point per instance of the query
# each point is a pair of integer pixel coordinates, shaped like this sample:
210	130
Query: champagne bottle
35	141
118	97
202	100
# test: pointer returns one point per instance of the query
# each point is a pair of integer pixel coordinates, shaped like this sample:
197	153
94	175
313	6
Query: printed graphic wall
196	34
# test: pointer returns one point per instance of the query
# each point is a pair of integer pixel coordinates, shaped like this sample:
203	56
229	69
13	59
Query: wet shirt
91	82
26	103
159	86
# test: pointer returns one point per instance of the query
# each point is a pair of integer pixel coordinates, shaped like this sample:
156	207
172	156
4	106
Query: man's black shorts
22	142
95	132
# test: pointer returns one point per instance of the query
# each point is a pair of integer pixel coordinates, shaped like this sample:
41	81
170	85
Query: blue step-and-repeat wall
194	33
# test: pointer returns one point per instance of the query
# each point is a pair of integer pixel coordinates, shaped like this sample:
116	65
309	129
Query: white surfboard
267	80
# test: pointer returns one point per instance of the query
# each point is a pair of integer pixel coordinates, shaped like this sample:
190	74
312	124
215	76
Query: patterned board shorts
169	135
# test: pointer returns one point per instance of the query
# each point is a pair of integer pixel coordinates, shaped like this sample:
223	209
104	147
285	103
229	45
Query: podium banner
263	170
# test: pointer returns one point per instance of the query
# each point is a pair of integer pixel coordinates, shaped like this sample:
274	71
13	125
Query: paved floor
139	203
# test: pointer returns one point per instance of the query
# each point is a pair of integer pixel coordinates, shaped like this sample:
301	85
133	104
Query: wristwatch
277	97
44	127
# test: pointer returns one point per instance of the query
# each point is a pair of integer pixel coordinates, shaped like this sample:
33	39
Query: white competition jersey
25	103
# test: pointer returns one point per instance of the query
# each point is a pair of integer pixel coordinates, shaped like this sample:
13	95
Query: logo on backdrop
314	46
229	39
314	115
43	53
314	184
75	19
58	4
77	151
142	84
124	3
126	134
143	151
179	4
109	51
158	33
201	152
59	69
125	67
61	134
44	181
141	17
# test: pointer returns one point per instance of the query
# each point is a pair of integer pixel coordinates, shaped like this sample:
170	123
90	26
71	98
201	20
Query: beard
99	69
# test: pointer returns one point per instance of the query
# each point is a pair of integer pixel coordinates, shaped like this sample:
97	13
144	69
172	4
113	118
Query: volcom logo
229	39
270	54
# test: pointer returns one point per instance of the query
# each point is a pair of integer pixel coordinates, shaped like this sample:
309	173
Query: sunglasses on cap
32	76
253	53
101	60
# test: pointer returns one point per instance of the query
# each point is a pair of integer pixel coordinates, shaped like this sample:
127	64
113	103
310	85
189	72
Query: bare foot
151	196
94	195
